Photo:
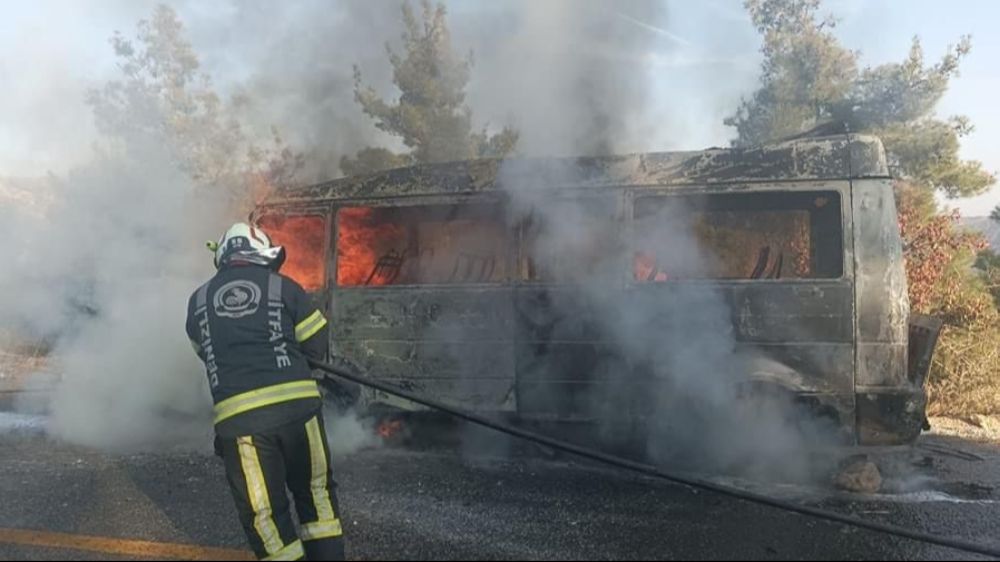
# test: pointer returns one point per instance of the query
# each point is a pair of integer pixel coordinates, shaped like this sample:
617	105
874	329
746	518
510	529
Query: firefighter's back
244	319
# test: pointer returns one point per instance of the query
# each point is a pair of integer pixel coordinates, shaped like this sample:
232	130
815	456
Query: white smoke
349	433
104	275
567	73
573	76
673	354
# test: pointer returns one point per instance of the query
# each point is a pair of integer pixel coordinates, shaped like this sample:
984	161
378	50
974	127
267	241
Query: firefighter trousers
259	468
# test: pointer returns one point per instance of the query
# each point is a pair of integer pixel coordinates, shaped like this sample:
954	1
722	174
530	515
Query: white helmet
247	243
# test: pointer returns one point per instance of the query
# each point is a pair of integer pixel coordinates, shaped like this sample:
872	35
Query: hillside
990	228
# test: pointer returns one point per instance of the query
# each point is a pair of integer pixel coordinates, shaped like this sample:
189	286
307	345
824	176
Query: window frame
624	199
841	188
297	211
613	196
420	201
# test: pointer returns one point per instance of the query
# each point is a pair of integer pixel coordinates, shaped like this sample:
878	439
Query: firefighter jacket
254	329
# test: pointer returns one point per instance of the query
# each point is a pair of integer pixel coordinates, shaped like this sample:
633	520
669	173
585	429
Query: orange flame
388	428
304	239
645	268
361	241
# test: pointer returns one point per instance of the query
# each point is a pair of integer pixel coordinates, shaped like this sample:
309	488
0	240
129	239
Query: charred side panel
818	312
450	343
569	368
882	303
798	336
890	407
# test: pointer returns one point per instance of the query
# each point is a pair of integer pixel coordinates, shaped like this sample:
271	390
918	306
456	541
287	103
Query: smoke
572	76
298	60
103	273
349	433
671	358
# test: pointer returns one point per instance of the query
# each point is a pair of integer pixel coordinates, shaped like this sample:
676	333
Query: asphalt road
439	504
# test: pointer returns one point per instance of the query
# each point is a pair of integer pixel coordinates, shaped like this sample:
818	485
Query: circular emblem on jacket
237	299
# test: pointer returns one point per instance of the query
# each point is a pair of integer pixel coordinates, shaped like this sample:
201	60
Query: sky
703	59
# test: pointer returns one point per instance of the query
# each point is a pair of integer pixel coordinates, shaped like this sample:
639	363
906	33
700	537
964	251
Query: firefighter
254	329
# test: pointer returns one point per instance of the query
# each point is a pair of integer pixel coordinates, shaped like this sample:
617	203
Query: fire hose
648	470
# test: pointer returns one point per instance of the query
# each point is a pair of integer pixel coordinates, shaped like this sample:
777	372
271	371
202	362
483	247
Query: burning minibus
549	290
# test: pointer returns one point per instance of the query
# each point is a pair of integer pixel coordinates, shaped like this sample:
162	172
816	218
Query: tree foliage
989	263
161	97
938	263
430	116
804	73
809	78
